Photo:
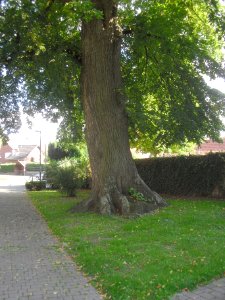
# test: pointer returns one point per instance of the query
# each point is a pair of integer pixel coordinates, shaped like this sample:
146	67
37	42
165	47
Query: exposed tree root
115	202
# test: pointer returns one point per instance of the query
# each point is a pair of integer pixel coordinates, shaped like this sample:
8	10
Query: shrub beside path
32	264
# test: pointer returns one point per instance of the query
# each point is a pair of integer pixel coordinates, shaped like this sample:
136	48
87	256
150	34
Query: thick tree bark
113	169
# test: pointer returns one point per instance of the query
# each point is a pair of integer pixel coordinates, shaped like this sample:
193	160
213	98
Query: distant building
27	153
21	155
5	151
210	146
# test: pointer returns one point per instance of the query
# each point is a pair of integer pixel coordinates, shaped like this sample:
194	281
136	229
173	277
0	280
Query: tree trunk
113	169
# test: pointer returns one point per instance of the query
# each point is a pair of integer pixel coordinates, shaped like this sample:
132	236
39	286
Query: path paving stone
32	265
213	291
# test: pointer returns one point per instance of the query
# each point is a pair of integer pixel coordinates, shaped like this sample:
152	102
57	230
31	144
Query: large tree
131	66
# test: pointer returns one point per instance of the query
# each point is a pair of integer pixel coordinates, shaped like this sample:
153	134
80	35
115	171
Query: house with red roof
210	146
21	155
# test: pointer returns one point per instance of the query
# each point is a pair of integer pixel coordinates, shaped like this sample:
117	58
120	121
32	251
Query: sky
218	84
31	136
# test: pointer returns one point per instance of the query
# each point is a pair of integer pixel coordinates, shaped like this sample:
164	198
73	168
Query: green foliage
67	149
55	152
52	175
167	47
185	149
70	178
35	185
136	195
152	257
9	100
185	175
175	42
7	168
146	146
67	175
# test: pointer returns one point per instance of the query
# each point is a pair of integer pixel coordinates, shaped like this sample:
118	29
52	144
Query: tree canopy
167	47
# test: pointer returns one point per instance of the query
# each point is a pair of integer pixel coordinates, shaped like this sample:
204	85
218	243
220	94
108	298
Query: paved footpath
31	264
213	291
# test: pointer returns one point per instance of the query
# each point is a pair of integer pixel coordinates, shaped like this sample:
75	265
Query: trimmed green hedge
35	185
7	168
34	167
185	175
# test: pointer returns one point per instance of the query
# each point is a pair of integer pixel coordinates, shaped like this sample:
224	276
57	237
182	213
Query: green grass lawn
151	257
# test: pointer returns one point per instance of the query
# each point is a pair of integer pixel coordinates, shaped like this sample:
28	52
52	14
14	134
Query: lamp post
40	167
